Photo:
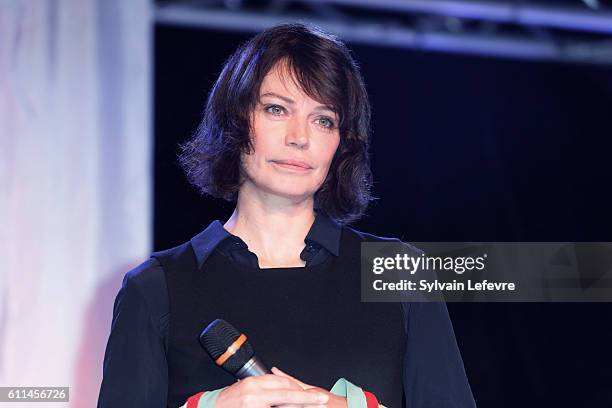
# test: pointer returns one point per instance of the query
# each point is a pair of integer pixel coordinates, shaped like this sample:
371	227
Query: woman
285	135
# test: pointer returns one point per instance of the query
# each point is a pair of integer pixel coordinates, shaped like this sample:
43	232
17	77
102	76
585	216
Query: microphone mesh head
217	337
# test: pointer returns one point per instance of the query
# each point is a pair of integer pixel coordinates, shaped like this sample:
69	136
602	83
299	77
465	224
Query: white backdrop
75	182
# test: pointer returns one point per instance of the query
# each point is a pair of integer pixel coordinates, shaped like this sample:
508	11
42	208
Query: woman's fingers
271	381
292	397
266	391
277	371
301	406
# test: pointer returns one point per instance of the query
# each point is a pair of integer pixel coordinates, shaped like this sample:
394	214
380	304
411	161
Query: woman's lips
292	165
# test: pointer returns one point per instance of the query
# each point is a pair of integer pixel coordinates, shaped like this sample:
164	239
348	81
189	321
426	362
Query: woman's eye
274	109
326	123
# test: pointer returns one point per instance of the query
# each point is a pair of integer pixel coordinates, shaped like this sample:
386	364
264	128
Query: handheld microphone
230	350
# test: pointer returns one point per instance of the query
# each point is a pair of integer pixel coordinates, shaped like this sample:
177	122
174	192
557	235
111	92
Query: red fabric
371	401
192	402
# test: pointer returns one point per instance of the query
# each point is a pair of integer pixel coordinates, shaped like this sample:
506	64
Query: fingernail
323	398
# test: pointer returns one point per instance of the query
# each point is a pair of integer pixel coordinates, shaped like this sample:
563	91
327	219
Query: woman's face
294	140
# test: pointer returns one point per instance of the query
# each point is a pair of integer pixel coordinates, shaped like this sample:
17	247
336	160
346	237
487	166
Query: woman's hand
269	390
334	401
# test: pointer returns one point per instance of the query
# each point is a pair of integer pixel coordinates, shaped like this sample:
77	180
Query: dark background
463	149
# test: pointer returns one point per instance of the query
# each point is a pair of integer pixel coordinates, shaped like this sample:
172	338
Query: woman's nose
297	134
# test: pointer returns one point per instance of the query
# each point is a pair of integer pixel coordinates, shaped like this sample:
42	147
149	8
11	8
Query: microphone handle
253	367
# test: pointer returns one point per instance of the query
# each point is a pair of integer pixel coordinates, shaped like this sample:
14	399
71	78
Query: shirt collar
324	231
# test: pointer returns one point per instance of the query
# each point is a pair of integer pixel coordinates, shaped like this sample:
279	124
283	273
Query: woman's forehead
282	80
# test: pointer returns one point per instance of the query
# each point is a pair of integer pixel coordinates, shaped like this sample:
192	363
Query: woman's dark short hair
326	72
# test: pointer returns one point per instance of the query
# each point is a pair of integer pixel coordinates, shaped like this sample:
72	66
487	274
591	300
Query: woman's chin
292	192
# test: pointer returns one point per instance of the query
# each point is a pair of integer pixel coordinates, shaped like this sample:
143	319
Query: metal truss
562	31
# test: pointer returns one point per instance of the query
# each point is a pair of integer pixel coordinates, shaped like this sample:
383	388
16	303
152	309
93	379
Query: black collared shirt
322	241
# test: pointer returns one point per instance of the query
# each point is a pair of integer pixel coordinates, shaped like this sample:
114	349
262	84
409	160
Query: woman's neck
274	233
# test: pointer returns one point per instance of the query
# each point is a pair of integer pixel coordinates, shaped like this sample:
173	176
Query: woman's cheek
321	178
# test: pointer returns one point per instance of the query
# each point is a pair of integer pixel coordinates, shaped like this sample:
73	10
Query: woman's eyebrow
292	102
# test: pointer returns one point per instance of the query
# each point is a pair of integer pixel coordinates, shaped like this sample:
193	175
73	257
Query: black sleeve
434	376
135	367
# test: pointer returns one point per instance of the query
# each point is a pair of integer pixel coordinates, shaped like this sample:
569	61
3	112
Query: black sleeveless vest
307	321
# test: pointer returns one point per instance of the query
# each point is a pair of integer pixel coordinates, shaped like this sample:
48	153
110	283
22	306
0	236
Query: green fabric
355	397
209	398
